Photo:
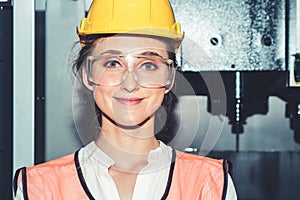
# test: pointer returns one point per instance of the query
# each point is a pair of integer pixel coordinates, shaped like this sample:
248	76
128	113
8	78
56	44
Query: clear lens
112	70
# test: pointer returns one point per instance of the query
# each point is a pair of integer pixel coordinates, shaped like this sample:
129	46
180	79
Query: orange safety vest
191	177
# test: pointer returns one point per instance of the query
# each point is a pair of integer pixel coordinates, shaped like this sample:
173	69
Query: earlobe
84	78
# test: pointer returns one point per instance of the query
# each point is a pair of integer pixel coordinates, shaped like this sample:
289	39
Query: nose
129	82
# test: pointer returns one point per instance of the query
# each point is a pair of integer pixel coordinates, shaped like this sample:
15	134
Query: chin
127	122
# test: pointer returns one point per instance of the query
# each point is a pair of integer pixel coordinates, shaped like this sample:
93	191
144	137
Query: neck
126	142
129	148
138	140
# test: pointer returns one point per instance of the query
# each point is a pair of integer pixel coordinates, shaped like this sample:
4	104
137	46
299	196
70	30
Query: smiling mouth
129	101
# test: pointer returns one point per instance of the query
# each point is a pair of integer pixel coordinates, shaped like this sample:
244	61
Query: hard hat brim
174	37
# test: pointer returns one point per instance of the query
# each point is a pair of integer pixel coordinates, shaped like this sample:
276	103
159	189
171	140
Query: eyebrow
150	53
111	52
145	53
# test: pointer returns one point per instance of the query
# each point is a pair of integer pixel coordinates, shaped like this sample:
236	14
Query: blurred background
238	89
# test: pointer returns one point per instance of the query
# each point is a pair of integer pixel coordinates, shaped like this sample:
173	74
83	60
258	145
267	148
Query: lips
129	101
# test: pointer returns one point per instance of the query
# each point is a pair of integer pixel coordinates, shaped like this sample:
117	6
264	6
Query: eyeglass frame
171	71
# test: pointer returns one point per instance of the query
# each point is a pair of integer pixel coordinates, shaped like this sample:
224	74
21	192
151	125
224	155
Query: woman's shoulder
62	166
55	163
50	179
199	161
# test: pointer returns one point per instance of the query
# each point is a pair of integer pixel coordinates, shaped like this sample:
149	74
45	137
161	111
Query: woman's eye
149	66
112	64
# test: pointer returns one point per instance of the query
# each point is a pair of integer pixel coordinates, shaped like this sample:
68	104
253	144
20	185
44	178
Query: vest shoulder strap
197	177
50	179
21	178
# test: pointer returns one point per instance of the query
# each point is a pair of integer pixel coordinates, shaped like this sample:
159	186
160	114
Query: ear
84	78
172	82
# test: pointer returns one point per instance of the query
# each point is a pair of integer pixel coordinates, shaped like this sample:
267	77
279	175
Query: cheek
103	98
155	103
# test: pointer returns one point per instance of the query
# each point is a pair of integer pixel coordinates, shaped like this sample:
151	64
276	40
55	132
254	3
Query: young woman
127	62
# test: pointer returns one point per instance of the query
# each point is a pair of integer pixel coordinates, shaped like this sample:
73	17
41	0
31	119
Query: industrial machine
255	47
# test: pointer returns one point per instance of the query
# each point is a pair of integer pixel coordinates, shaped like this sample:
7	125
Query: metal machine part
232	35
293	112
297	67
293	32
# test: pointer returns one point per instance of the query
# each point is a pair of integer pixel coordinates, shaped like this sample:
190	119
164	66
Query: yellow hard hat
145	17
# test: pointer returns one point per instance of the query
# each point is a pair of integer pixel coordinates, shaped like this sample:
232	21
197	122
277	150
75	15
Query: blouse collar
158	158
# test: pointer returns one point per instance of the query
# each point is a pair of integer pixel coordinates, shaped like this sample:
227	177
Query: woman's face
128	104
